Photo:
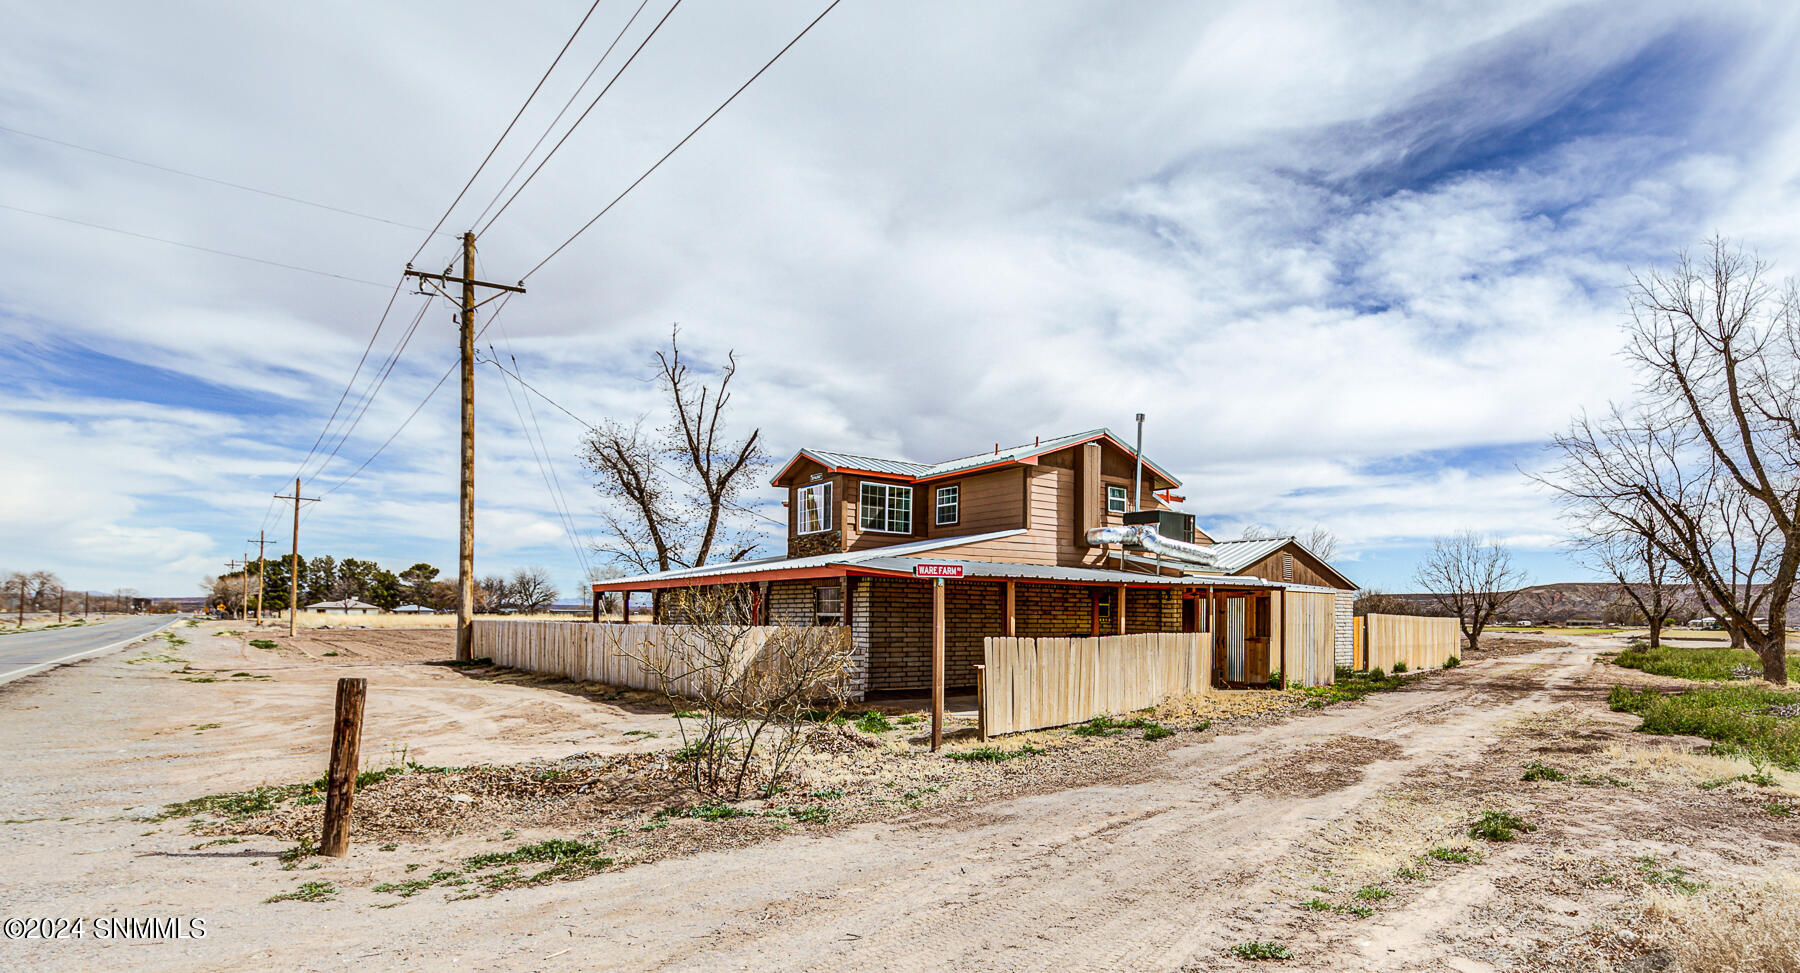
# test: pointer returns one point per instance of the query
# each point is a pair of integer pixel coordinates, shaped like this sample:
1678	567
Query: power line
584	114
559	115
368	397
215	181
193	246
509	127
546	469
416	409
684	140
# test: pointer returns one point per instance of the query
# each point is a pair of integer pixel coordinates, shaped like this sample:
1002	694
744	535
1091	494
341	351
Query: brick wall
1344	648
791	602
1052	611
1152	611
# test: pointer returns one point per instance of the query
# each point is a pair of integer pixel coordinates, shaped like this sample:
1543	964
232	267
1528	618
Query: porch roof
898	560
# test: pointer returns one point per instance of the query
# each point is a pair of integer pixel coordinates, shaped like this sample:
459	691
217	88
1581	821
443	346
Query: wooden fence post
346	748
981	702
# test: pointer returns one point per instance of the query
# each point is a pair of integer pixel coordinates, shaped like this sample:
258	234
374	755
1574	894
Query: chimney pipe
1137	480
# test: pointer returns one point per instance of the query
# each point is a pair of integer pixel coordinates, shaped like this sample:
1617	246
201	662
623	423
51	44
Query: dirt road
1225	843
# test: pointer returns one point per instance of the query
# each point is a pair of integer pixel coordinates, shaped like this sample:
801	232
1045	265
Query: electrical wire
584	114
559	115
193	246
684	140
215	181
509	127
546	469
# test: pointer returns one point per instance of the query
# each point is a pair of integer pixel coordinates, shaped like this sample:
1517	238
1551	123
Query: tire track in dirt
1152	875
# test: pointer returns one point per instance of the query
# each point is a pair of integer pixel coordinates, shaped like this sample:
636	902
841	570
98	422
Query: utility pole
465	551
294	557
260	541
59	603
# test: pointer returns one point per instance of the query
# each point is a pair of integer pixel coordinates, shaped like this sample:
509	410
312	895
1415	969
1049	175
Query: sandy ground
1219	842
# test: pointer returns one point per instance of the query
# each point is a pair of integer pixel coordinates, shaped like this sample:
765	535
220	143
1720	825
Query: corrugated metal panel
1234	555
1011	453
872	464
815	561
1051	572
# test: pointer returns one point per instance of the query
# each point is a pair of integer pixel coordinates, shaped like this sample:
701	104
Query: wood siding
1030	684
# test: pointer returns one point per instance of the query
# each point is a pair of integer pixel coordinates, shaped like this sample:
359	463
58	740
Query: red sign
937	570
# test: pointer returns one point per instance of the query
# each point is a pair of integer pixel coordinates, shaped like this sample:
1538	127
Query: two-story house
1047	539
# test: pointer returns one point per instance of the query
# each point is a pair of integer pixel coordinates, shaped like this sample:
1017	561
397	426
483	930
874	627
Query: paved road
29	652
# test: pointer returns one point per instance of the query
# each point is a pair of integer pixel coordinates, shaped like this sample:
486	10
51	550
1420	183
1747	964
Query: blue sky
1356	263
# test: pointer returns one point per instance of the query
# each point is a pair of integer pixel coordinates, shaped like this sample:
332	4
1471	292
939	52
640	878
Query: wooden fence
1419	641
1030	684
587	652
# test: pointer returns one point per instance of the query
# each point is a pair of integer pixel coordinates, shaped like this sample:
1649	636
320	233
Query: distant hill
1558	604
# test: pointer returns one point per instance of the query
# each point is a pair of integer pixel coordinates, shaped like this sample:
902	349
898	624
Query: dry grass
1730	929
411	621
1225	704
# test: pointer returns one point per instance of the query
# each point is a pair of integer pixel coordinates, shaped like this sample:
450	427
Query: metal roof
924	471
1236	555
801	563
1051	572
872	464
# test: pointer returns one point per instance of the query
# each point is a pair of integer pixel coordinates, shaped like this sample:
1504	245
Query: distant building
414	610
348	606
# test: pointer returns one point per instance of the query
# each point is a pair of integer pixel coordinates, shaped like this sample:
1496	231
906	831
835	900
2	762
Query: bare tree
1316	539
1373	601
1652	587
1472	578
1707	464
18	584
753	693
493	594
672	494
530	589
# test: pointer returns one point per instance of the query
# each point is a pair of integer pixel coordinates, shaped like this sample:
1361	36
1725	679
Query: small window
815	508
828	605
886	508
1115	499
949	504
1106	612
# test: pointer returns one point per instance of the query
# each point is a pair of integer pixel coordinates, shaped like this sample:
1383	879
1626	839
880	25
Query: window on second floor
1115	499
949	504
886	508
814	509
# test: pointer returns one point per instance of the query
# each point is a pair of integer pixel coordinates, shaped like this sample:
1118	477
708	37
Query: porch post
937	663
1119	612
596	608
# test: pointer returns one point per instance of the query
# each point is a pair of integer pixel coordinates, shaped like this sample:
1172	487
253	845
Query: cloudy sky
1355	263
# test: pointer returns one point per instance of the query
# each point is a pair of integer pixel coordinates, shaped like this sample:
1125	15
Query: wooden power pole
244	583
294	557
465	550
261	540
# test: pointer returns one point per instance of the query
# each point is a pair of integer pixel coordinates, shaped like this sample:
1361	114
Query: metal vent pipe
1146	538
1137	481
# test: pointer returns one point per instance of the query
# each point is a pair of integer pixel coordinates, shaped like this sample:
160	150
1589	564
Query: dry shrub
745	696
1220	705
1730	930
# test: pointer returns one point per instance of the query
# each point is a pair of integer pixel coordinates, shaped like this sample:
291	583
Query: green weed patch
1741	716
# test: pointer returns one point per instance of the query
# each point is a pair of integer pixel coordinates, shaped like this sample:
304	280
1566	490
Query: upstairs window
886	508
1115	499
828	605
815	508
949	504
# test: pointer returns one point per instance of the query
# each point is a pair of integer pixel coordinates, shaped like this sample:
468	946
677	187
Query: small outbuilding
346	606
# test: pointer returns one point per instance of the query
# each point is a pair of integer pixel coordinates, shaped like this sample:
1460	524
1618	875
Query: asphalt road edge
84	654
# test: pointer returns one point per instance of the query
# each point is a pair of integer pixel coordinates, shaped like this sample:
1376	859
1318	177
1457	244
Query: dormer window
814	510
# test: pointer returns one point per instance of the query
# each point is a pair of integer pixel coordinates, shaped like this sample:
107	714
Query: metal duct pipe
1136	481
1145	537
